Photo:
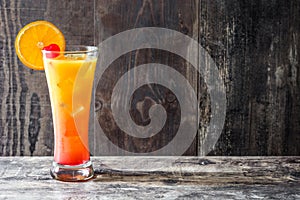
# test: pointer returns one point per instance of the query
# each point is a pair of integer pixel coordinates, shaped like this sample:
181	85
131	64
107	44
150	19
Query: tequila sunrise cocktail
70	78
40	45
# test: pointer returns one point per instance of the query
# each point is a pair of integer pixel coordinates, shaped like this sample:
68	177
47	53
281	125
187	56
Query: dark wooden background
256	45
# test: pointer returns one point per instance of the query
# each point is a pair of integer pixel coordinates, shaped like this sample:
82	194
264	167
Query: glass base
72	173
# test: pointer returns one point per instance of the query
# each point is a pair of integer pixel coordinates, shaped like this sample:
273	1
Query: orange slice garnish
32	38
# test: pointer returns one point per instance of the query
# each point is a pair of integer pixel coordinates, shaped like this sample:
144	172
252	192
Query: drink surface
70	81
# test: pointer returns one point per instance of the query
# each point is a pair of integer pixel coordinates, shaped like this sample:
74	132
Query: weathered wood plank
255	45
120	191
197	170
202	170
113	17
157	178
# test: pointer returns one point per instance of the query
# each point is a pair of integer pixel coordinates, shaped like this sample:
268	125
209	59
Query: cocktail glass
70	76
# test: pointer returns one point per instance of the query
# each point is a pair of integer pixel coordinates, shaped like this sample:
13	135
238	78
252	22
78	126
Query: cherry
52	47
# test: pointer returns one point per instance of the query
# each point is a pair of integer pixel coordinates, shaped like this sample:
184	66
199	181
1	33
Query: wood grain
254	44
110	21
157	178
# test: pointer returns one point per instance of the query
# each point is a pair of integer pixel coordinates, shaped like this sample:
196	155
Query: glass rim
71	49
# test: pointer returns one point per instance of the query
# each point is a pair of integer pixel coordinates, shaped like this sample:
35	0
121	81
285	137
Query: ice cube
77	111
75	56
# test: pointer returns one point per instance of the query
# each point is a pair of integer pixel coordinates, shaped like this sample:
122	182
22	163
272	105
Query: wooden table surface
157	178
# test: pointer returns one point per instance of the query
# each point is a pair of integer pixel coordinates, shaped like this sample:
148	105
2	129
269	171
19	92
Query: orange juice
70	81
